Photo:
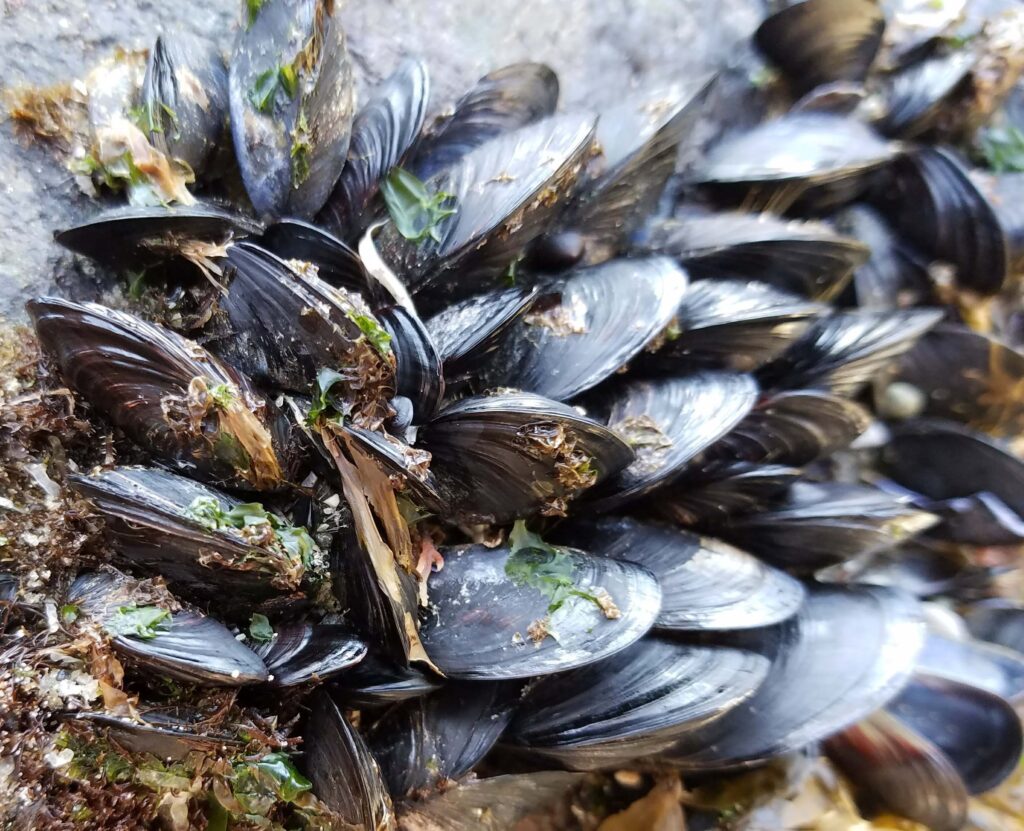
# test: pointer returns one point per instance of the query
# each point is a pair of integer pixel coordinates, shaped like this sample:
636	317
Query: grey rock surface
600	49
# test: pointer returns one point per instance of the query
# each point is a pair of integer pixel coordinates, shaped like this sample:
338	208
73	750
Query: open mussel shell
667	423
893	276
419	375
968	377
932	201
284	325
497	803
487	622
502	101
134	237
997	621
844	351
998	669
344	773
186	646
439	737
185	98
640	142
810	157
805	258
382	133
979	732
153	526
896	769
511	455
817	42
733	490
585	328
821	524
505	194
169	395
467	333
945	463
302	653
376	681
917	97
292	101
336	263
706	585
848	652
167	734
634	705
732	324
794	428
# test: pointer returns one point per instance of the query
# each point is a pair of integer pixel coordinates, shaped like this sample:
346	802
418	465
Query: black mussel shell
491	619
185	98
995	668
818	42
667	423
467	333
439	737
169	395
283	325
732	324
793	428
301	653
997	621
419	375
848	652
587	327
973	483
979	732
344	773
187	645
1005	192
155	523
917	96
497	803
896	769
923	570
382	133
505	100
376	681
706	585
292	101
133	237
933	202
844	351
894	276
805	258
555	252
821	524
509	455
968	377
505	194
8	588
634	705
777	163
640	142
166	734
336	263
734	490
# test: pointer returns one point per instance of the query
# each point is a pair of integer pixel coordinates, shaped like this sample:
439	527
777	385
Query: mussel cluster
530	449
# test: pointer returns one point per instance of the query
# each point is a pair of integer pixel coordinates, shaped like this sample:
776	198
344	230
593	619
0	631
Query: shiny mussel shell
491	619
301	653
186	645
588	326
510	455
169	395
292	101
706	585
